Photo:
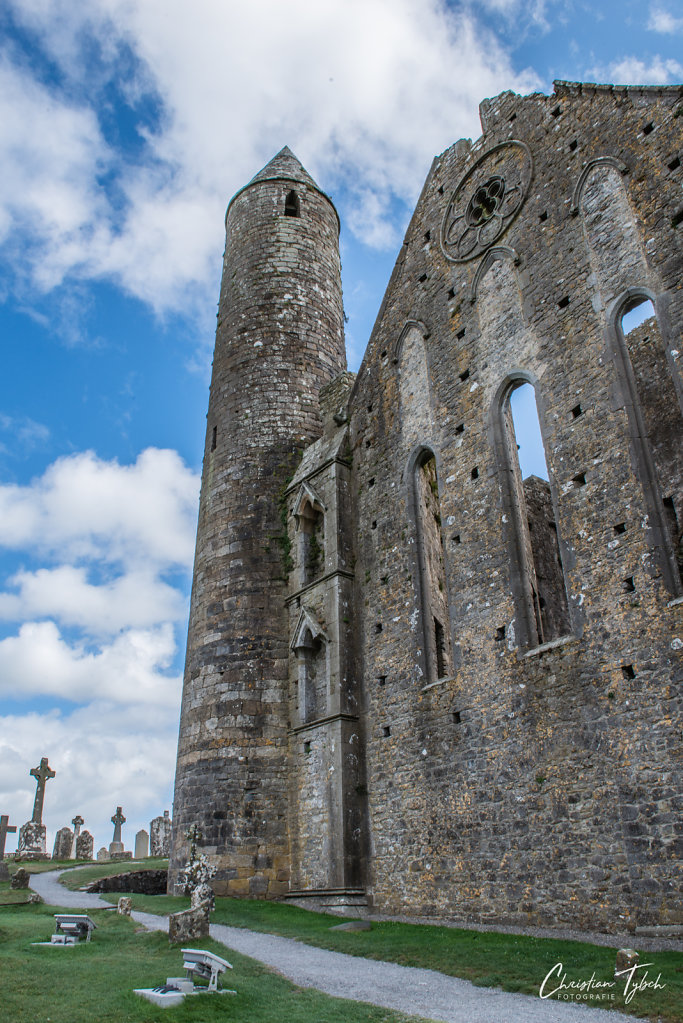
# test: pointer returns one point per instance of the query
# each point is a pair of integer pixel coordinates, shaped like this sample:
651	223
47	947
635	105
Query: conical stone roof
284	165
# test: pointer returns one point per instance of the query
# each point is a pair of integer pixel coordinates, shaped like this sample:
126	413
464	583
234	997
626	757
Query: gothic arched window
430	548
541	606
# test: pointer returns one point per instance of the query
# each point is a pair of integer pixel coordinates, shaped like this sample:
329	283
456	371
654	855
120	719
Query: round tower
279	339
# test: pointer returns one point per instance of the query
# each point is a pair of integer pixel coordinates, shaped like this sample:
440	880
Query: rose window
487	199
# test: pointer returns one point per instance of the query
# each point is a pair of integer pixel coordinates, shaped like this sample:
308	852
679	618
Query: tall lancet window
656	428
435	613
538	578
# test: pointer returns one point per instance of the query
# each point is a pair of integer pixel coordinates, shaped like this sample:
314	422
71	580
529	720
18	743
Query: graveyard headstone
77	823
5	829
64	840
141	845
116	845
84	846
160	835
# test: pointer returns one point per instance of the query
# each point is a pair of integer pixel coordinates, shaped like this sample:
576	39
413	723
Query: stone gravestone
124	905
160	835
141	845
77	823
21	879
195	879
84	846
103	854
32	835
116	850
5	829
64	840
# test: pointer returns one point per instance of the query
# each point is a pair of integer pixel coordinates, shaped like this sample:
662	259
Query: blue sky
125	127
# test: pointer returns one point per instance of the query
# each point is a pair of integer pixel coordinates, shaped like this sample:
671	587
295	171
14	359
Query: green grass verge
95	981
42	866
511	962
94	871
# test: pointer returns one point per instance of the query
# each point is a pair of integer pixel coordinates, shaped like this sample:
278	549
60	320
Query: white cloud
634	71
51	154
85	507
362	90
65	594
26	432
38	662
662	21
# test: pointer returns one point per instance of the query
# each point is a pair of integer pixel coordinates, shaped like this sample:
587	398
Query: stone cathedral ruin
416	678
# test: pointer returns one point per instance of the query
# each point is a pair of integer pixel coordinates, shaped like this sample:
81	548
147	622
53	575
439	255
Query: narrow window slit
475	473
451	292
460	428
627	671
628	586
619	528
423	278
378	627
677	219
456	538
500	633
374	523
292	204
563	303
428	235
464	376
456	717
573	145
543	217
386	731
214	438
556	112
675	164
579	480
440	647
648	128
381	680
460	336
371	481
577	411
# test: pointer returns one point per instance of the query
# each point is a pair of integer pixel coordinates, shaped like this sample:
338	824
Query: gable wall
530	784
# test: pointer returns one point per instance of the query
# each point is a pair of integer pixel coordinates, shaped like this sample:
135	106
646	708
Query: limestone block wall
534	782
326	768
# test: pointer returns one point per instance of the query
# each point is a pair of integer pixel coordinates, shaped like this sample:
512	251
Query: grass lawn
94	871
511	962
95	981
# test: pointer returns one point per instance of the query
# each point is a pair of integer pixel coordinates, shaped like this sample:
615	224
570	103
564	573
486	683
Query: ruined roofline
490	107
561	88
489	111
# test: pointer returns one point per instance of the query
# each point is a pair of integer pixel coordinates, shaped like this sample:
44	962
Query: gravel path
406	989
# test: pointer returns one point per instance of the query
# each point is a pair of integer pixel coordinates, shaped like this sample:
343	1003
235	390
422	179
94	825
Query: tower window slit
292	208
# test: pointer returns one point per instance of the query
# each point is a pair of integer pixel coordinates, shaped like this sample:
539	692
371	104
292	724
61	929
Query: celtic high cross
41	774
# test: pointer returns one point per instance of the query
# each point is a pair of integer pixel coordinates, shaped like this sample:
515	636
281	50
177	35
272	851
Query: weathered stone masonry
465	698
